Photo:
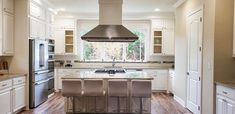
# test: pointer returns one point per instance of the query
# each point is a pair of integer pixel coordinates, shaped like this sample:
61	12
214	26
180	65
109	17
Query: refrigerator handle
42	72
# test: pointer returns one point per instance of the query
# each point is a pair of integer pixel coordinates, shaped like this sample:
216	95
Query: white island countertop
137	75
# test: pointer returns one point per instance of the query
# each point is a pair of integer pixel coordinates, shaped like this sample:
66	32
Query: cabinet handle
224	100
19	80
224	92
3	85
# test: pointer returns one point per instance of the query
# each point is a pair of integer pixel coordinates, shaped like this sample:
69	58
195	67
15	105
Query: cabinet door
5	104
8	32
162	80
19	98
37	28
59	41
49	31
220	105
37	11
8	6
230	107
168	42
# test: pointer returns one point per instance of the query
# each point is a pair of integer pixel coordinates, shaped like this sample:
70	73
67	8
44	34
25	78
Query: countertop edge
226	84
11	76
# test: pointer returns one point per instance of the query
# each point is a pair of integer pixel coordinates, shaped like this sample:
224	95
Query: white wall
181	46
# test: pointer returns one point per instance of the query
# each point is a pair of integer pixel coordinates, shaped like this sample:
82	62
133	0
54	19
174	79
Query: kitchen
159	56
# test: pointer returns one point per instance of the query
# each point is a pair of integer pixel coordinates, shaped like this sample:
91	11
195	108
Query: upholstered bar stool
94	88
141	89
72	89
118	88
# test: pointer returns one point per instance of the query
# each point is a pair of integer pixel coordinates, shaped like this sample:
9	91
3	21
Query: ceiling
129	6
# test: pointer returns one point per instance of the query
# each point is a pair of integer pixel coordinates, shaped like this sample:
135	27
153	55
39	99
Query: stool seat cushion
141	89
72	88
117	88
93	88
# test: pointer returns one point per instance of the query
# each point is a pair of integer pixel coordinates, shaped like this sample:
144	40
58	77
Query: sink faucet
113	63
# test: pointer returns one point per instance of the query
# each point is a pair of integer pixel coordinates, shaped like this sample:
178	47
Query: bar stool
72	88
118	88
94	88
141	89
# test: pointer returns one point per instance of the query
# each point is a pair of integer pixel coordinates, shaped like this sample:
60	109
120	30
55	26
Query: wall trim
178	3
179	100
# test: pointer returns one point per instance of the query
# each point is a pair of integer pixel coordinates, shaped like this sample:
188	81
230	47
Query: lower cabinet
5	104
18	95
225	101
160	78
12	95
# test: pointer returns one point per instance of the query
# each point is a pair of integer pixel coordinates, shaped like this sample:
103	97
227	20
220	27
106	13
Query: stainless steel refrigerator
38	72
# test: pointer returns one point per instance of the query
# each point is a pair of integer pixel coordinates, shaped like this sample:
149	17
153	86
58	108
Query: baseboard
179	100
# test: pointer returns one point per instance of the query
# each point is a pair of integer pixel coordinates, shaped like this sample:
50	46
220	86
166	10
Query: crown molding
178	3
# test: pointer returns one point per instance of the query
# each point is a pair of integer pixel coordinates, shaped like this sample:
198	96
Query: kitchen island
132	103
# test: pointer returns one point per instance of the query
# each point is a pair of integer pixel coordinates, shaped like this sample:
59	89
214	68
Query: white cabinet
162	40
37	28
8	34
160	78
225	100
171	83
8	6
5	104
5	97
59	41
12	95
18	97
37	11
168	42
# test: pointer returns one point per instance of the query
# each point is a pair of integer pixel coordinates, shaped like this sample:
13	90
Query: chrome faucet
113	63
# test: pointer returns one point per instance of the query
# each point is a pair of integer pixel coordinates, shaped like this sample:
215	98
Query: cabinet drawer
19	80
225	91
5	84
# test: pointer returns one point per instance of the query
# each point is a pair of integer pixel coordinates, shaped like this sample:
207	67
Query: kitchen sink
110	71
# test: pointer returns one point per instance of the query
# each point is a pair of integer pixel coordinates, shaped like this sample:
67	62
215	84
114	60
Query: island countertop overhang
137	75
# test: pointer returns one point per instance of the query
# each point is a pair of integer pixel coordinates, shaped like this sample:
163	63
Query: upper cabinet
8	6
41	21
8	34
162	38
37	11
7	30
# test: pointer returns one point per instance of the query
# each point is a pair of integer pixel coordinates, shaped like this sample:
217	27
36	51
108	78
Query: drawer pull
224	100
3	85
224	92
19	80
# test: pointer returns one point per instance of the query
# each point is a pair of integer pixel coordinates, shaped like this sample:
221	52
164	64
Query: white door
19	98
8	34
5	102
230	106
194	35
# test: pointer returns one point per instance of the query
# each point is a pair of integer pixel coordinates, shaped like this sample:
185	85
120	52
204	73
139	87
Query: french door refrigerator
38	72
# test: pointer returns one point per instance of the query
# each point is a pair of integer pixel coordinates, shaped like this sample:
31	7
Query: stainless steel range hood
110	28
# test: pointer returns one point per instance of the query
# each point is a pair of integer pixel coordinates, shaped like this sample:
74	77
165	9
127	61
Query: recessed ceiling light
156	9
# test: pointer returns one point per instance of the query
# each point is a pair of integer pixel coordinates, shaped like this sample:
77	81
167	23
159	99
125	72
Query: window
103	51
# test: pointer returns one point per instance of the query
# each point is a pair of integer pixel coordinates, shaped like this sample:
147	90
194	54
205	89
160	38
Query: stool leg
118	104
141	105
95	105
73	105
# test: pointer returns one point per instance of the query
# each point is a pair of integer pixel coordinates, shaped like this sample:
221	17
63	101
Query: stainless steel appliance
51	62
38	72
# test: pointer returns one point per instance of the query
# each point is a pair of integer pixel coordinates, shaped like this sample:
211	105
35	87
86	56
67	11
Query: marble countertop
230	84
91	75
10	76
128	68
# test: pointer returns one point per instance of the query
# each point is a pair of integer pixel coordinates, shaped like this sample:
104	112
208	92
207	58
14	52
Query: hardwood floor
162	103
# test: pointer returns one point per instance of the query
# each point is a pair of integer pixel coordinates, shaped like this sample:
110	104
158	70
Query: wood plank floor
162	103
